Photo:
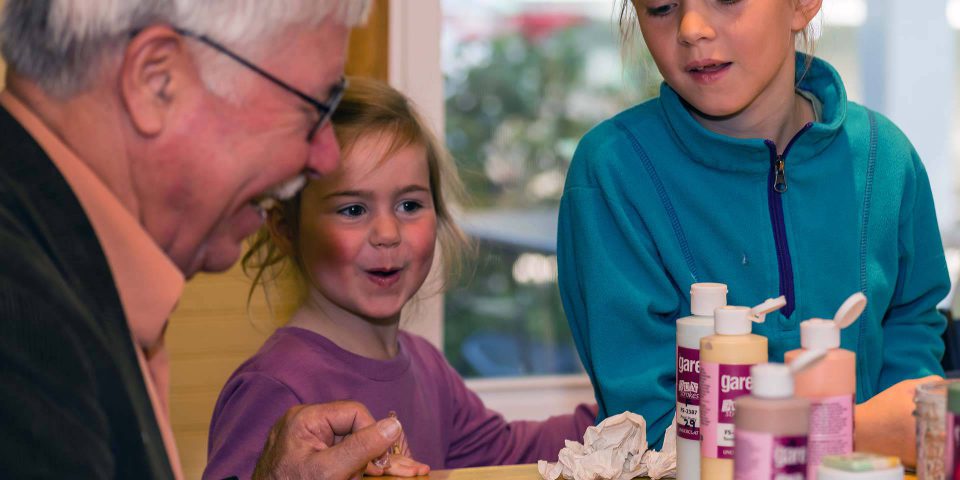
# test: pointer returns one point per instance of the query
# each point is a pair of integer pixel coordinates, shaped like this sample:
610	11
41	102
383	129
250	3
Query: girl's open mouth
384	277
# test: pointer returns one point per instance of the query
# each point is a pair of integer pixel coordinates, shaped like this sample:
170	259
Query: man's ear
156	69
803	13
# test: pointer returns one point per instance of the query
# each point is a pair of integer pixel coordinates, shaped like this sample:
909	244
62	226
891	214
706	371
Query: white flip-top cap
707	297
771	380
733	320
775	380
820	334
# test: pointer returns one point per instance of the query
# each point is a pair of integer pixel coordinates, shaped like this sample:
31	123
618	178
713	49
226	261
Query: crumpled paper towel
614	450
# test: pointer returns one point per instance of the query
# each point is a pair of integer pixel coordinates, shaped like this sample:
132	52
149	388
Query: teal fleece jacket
654	202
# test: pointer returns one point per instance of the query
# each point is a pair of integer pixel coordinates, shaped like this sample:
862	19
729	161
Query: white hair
61	43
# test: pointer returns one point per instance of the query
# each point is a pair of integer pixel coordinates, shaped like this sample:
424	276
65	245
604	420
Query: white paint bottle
704	299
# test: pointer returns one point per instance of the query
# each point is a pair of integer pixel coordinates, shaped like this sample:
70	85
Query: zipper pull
780	182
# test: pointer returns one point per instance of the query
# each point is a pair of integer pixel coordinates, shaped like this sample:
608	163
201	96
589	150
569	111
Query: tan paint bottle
771	423
725	361
831	385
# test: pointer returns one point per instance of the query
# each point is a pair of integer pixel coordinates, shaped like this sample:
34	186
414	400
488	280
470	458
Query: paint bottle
831	385
725	361
952	461
704	299
771	423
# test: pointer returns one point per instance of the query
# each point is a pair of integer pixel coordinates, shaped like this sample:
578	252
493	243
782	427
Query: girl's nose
385	232
694	27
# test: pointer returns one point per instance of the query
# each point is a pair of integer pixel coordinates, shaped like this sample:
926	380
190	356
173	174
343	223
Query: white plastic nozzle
775	380
770	305
707	297
820	334
732	320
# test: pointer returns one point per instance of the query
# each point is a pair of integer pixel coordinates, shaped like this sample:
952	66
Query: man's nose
324	155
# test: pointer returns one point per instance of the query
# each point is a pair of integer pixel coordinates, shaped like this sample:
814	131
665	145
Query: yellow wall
211	333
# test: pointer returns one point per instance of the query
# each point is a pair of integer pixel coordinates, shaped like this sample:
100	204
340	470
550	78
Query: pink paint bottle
725	361
771	423
831	385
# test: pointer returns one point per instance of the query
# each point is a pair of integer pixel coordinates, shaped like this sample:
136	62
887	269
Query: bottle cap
707	297
775	380
733	320
771	380
953	398
817	333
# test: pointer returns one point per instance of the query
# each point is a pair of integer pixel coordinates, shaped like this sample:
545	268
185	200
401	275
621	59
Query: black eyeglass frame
324	109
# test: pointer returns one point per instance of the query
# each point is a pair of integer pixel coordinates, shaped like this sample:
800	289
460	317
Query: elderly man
140	142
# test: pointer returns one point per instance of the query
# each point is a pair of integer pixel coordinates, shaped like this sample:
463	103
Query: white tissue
614	450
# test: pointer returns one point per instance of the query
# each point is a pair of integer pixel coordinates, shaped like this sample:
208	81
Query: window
523	82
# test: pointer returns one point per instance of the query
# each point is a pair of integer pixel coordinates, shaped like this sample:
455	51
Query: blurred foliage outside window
524	81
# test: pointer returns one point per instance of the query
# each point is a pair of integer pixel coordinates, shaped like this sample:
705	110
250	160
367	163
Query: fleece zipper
777	186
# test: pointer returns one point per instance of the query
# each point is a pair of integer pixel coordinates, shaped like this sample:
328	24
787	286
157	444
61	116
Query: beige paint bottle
725	361
771	423
831	385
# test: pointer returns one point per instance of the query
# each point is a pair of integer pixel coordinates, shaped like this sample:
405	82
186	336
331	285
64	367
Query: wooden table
509	472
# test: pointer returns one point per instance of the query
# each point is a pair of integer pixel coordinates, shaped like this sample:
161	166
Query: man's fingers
353	453
328	421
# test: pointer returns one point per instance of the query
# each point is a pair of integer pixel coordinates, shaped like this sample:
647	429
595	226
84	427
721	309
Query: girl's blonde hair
627	20
368	107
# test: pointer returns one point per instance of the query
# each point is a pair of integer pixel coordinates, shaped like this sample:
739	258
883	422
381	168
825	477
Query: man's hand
334	440
885	423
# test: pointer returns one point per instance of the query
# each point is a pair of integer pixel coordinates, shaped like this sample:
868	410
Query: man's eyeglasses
324	109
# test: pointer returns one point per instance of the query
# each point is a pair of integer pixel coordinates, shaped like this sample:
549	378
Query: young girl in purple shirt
361	242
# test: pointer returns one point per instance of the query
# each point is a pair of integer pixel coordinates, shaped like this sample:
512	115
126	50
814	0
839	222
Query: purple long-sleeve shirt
446	424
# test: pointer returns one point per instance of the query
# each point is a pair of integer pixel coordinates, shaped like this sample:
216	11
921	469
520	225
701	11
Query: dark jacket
73	403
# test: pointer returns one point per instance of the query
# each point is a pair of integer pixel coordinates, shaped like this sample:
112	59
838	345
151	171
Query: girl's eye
661	11
352	211
410	206
728	2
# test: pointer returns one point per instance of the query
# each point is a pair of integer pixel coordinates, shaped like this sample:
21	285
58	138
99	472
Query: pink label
720	385
688	393
764	456
831	429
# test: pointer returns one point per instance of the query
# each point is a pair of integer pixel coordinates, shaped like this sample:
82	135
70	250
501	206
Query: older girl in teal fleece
751	169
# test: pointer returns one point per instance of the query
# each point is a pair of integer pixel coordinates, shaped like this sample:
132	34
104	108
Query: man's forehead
318	52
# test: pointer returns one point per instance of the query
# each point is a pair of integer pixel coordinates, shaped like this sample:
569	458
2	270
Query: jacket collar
752	155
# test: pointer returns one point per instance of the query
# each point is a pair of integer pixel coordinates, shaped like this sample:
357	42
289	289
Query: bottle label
688	393
720	385
765	456
831	430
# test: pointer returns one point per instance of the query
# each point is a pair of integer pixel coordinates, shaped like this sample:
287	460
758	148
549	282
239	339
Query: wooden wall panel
369	52
212	331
